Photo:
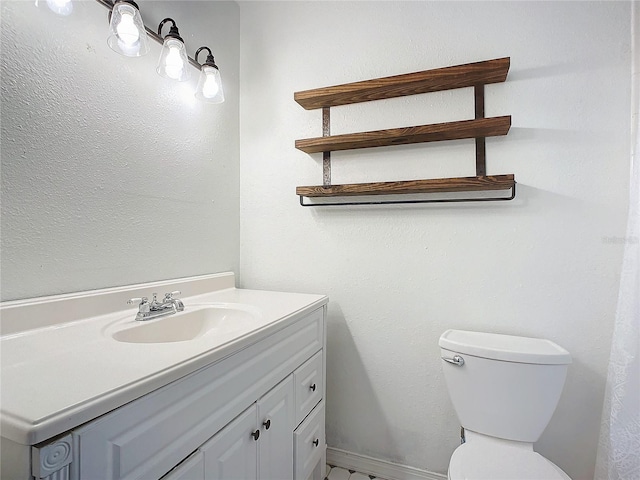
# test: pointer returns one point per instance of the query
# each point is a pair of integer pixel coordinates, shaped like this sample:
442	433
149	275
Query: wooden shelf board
459	76
437	185
481	127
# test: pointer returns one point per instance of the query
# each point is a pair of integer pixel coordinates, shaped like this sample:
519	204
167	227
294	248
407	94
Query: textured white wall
111	174
544	265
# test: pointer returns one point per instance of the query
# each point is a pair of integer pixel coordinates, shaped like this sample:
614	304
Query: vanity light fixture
127	35
61	7
173	57
130	37
209	87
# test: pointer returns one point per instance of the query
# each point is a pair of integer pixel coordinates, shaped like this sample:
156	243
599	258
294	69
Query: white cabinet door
258	444
232	453
192	468
276	414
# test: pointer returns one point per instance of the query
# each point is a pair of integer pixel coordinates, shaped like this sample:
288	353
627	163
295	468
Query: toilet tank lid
508	348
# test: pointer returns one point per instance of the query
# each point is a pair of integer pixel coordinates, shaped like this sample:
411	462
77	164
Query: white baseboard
378	468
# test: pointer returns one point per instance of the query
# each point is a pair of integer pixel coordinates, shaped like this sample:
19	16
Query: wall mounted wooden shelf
447	78
474	75
482	127
434	185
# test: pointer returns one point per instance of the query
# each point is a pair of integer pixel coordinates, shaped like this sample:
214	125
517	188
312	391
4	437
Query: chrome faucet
154	309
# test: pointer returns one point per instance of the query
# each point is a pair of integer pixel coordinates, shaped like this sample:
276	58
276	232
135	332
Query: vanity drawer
309	443
309	385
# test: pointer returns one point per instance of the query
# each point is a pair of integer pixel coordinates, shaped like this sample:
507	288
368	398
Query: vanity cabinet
256	414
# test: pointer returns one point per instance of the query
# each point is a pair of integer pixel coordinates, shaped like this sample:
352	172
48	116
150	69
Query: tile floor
338	473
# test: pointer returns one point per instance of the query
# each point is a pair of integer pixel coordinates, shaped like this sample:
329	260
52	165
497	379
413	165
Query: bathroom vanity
231	388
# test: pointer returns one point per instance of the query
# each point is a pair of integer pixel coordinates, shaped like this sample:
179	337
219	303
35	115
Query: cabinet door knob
267	424
256	434
316	442
313	387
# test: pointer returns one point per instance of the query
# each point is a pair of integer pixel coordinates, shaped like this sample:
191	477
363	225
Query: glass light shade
61	7
127	35
173	60
210	85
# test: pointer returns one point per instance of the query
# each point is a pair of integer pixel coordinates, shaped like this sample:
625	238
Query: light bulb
173	57
61	7
127	35
173	63
210	87
127	31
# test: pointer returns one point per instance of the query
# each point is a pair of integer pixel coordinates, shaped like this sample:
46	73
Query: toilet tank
508	386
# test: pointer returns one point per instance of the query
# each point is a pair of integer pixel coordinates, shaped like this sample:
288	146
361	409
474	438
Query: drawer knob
256	434
316	442
267	424
313	387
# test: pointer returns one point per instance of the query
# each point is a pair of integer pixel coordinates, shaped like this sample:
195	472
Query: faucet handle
177	303
142	300
169	296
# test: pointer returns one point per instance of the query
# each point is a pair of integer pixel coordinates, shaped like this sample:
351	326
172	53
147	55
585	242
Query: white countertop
56	377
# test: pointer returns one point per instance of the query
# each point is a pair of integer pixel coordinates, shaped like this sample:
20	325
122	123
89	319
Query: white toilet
504	390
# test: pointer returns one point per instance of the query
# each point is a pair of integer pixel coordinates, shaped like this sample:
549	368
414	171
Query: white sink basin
219	320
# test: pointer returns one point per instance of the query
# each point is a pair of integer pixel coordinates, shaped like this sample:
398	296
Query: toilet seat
490	462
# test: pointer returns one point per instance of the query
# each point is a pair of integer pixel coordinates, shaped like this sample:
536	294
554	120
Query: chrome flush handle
457	360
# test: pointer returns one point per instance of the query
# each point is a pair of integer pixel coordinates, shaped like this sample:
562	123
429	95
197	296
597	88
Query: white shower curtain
619	444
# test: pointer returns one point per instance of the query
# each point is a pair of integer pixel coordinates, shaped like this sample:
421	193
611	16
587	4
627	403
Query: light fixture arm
156	36
173	31
210	60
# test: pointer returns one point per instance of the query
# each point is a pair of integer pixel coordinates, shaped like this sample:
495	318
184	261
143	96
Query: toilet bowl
487	458
504	390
